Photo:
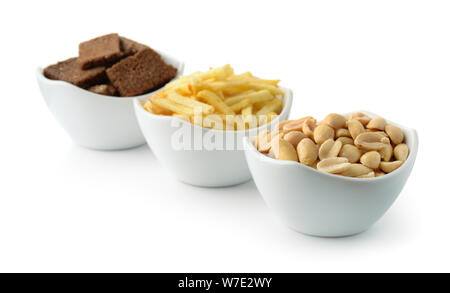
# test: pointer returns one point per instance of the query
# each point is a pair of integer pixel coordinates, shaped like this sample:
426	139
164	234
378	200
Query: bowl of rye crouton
91	95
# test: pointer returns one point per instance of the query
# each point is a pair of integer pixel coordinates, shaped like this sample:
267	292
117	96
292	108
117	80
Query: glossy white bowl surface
92	120
208	168
322	204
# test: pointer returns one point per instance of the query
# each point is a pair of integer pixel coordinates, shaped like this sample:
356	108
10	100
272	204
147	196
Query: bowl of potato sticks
195	125
335	177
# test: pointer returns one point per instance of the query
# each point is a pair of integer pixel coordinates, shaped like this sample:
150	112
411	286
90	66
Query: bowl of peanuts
335	177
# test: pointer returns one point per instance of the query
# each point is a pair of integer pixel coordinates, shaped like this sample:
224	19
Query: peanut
343	132
395	134
379	173
388	167
281	124
377	123
263	141
401	152
345	140
308	127
330	149
335	121
386	152
295	124
371	159
351	152
363	118
283	150
307	151
294	137
355	128
333	165
371	141
355	170
368	175
322	133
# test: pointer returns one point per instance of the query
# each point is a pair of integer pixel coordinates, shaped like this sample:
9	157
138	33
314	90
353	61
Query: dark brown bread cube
130	47
140	73
101	51
103	89
69	71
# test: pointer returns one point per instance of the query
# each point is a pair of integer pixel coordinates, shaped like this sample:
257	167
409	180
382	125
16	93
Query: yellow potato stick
272	106
218	73
273	82
213	121
189	102
220	94
238	97
184	89
254	97
272	89
271	116
240	123
215	101
240	105
247	112
172	106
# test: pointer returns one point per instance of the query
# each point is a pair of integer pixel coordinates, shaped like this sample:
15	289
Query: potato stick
240	123
215	101
189	102
172	106
184	89
213	121
271	116
273	82
260	86
221	85
242	75
273	106
247	113
220	94
254	97
238	97
240	105
218	73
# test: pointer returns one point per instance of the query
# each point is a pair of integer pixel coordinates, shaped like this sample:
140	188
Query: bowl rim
288	97
251	149
42	78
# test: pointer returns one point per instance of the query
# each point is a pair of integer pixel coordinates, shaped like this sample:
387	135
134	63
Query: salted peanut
329	149
283	150
379	173
322	133
371	159
361	117
388	167
343	132
263	141
345	140
377	123
355	128
335	121
386	152
368	175
280	125
308	127
350	152
401	152
314	165
294	137
371	141
295	124
355	170
377	131
333	165
395	133
307	151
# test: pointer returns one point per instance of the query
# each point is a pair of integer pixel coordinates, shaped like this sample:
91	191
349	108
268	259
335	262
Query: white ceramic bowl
322	204
208	168
92	120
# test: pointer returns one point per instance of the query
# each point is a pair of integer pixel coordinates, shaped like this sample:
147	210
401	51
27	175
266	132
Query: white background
67	209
